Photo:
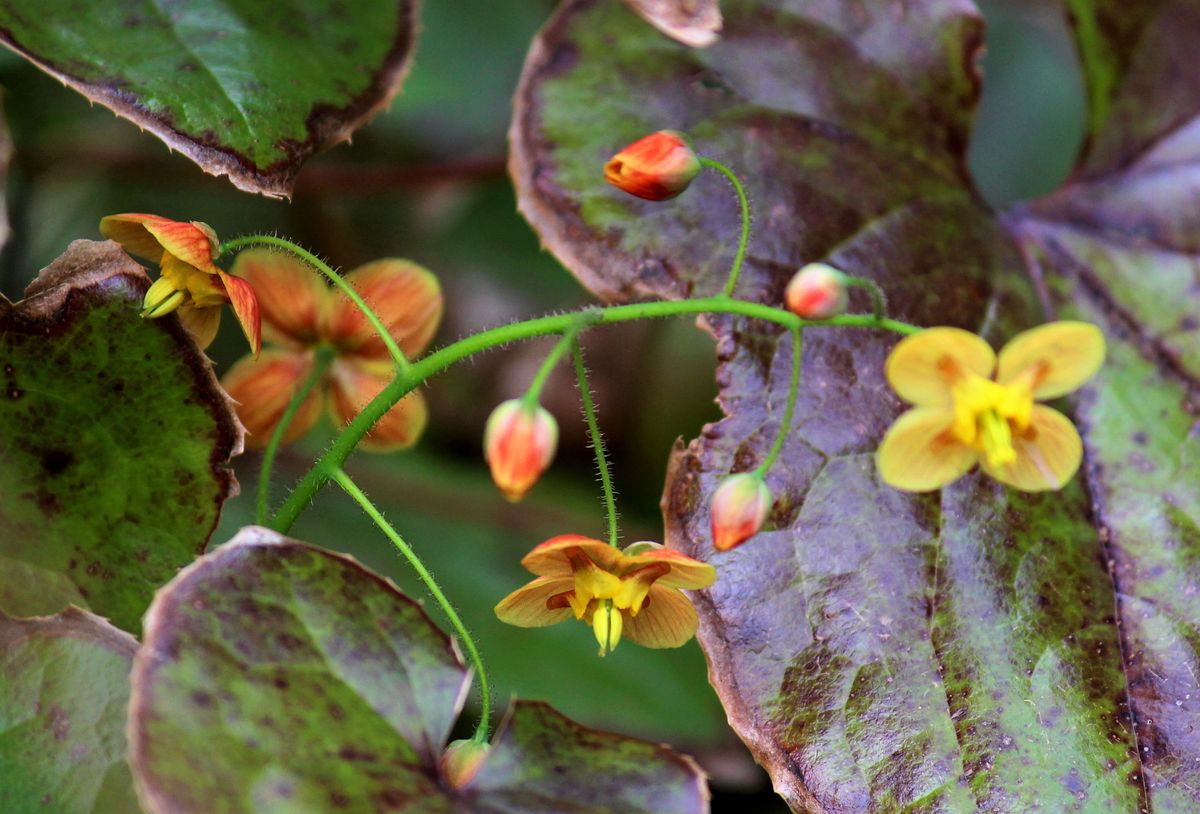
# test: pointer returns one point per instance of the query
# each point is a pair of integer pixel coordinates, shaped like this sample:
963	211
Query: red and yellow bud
739	508
519	443
818	291
461	761
657	167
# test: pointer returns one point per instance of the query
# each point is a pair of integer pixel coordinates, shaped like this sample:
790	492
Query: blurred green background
427	181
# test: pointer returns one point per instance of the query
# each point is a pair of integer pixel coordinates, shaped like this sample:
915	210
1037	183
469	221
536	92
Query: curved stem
785	425
321	361
744	237
433	364
878	298
568	339
589	413
338	280
406	551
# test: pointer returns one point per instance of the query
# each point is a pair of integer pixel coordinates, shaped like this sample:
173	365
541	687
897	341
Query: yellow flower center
987	414
602	597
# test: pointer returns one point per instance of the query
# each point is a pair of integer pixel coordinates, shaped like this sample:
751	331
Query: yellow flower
964	415
634	592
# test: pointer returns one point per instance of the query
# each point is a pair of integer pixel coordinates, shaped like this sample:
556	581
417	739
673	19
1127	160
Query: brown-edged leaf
693	22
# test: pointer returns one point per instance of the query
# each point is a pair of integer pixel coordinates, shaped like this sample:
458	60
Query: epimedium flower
519	443
974	407
304	317
817	291
739	508
191	283
656	167
634	592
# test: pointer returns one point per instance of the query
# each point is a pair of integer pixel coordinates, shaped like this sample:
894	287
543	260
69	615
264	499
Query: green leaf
114	442
278	677
64	685
985	650
245	88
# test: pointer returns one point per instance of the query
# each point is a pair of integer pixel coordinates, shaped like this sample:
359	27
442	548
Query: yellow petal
263	387
550	558
354	385
526	606
201	323
920	453
292	295
1048	453
406	298
667	619
1060	356
922	368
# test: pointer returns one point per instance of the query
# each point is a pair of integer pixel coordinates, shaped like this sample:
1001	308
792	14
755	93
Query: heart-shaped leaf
245	88
280	677
64	685
114	442
988	650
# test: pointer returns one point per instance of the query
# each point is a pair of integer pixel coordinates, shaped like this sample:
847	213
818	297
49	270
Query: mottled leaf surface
279	677
693	22
980	649
114	442
64	686
245	88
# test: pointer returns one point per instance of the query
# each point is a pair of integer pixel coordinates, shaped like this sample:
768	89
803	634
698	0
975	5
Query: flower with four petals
191	283
974	407
635	592
302	314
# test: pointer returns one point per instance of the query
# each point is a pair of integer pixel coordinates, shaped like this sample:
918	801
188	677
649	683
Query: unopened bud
818	291
657	167
519	443
739	508
461	761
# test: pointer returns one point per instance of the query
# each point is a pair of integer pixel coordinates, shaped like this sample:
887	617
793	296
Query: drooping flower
963	416
739	508
656	167
635	592
519	443
817	291
191	283
304	316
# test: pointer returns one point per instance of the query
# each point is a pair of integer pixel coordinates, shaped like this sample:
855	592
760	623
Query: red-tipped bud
461	761
519	443
739	507
818	291
657	167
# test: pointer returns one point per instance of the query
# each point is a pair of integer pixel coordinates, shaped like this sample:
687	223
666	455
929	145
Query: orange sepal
149	236
352	387
685	572
549	559
528	606
667	619
292	296
407	299
245	307
264	386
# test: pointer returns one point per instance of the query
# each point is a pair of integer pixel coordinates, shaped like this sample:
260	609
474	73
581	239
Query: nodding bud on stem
461	761
519	443
739	508
657	167
818	291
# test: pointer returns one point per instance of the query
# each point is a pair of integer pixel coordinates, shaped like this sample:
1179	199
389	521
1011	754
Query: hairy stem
589	413
744	237
785	425
878	298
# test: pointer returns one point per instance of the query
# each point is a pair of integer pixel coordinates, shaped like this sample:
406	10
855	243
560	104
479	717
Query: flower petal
405	297
264	386
549	559
245	308
923	367
352	387
292	295
1060	356
201	322
685	571
148	236
920	453
1048	453
666	620
526	606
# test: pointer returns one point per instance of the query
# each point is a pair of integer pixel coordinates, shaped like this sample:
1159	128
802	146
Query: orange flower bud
818	291
461	761
657	167
739	507
519	443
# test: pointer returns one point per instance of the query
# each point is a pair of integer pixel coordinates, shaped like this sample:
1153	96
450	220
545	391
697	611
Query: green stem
589	413
568	340
878	298
785	426
321	360
433	364
406	551
744	237
338	280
